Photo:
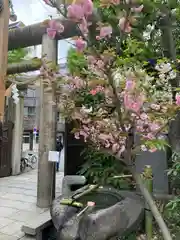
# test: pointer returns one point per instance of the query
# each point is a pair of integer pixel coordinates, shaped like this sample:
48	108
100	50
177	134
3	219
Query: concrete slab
18	206
5	221
13	229
19	197
7	211
35	226
24	216
7	237
27	192
26	237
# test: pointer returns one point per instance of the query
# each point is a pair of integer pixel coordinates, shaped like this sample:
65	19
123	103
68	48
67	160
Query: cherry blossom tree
111	97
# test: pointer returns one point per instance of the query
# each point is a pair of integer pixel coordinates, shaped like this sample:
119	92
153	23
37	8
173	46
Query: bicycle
29	160
115	213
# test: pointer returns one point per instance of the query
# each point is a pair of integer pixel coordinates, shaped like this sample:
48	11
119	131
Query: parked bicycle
29	160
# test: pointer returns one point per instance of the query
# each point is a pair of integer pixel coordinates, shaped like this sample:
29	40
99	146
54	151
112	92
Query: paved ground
18	203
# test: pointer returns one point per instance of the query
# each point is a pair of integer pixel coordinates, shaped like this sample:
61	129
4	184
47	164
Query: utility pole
47	133
4	30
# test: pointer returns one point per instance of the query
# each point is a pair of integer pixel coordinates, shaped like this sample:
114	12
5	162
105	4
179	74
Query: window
31	111
57	116
26	138
60	118
31	93
25	111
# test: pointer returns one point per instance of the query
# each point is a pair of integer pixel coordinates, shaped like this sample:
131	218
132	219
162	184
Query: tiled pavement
18	203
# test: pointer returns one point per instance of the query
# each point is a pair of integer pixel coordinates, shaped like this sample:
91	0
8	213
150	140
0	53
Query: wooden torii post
4	22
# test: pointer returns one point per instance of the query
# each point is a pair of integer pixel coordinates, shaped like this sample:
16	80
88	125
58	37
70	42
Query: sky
34	11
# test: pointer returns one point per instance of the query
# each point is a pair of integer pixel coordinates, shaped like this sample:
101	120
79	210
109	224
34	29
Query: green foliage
101	168
172	210
159	144
89	100
133	51
17	55
174	172
75	61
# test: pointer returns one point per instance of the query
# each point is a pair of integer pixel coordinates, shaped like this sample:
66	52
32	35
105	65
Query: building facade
31	104
31	114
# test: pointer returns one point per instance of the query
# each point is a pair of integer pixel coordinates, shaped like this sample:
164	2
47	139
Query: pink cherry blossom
115	147
83	134
132	103
144	116
91	59
51	33
59	27
88	7
153	150
99	89
47	1
105	31
100	64
93	92
77	82
150	136
154	127
155	107
137	9
115	2
75	12
83	25
77	135
80	44
178	99
124	25
54	28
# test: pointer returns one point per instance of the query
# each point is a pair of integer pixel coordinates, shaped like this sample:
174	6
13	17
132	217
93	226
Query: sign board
35	130
53	156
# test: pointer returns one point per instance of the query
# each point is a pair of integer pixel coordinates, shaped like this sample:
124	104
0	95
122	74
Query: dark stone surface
49	233
104	224
118	211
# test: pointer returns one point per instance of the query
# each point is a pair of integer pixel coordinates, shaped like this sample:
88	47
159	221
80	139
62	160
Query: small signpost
53	156
34	135
35	131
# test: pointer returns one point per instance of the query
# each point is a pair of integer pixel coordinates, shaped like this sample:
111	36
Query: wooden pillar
17	136
46	170
4	23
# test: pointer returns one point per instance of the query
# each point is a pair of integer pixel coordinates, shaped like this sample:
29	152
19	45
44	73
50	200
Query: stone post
47	134
17	135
